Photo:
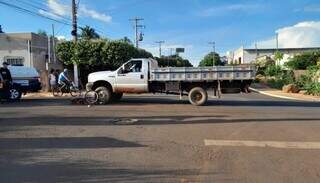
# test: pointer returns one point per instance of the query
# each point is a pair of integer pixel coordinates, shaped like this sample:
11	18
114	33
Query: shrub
303	61
313	88
273	70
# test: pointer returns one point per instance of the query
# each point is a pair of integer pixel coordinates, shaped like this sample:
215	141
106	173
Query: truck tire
116	97
198	96
104	95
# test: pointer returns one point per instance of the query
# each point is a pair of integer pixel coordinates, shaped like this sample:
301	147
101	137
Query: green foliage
278	56
309	81
262	64
313	88
88	33
273	70
65	52
42	32
173	61
303	61
126	40
210	60
276	83
99	54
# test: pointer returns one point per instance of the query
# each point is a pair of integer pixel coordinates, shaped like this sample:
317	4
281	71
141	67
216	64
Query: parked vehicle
26	78
144	76
9	90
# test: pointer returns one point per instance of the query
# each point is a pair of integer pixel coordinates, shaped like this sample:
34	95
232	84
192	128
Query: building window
15	61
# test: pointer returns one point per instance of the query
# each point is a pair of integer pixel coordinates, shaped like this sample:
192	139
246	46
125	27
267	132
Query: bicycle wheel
91	97
57	92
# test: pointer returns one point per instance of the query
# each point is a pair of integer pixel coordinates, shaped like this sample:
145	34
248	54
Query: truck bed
239	72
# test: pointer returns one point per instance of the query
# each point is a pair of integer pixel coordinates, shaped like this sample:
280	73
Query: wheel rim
91	97
196	97
14	94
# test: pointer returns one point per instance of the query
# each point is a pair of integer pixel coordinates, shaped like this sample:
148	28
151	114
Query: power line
37	7
20	9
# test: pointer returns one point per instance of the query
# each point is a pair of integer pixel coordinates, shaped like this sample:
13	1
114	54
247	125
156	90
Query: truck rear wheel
198	96
104	95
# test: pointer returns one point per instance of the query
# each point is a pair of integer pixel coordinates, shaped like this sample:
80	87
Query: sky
190	24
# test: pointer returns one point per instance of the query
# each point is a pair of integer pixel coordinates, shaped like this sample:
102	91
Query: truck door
132	78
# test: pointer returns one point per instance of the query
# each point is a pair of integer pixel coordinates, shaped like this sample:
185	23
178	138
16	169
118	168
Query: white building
27	49
248	55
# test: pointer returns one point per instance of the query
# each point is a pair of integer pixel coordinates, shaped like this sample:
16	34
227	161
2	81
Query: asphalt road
160	139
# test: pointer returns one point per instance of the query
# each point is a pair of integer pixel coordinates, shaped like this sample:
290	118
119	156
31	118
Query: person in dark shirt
6	75
7	79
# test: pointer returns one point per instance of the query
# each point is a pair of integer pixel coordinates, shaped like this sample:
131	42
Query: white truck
144	76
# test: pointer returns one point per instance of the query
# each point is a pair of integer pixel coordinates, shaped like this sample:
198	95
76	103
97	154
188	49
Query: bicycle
67	88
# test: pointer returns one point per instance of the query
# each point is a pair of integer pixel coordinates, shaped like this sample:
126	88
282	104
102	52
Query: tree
42	32
303	61
1	31
126	40
173	61
210	60
88	33
278	56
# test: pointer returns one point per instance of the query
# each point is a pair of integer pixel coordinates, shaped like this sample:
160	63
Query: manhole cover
125	121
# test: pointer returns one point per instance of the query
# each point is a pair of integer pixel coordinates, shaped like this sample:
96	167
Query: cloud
223	10
58	10
303	34
84	11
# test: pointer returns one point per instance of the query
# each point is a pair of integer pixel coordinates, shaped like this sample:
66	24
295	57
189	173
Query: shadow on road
140	101
153	120
64	143
19	169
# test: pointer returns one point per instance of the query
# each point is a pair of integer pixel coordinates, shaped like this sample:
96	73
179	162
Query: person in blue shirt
63	78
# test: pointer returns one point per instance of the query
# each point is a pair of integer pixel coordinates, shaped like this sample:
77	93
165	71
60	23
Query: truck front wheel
198	96
104	95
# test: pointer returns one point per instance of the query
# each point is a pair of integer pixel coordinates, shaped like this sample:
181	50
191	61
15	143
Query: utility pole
277	41
159	42
256	47
214	51
53	45
74	34
136	27
171	51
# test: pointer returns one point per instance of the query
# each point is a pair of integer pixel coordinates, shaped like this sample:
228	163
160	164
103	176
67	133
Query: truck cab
131	77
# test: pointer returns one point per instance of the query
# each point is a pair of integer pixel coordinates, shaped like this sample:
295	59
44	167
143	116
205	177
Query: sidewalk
264	89
43	95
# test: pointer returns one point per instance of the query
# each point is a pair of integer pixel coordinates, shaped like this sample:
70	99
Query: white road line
272	144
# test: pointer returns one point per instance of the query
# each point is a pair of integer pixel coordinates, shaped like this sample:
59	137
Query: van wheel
116	97
15	94
198	96
104	95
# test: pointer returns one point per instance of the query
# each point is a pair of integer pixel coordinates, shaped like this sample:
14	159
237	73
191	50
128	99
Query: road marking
272	144
283	97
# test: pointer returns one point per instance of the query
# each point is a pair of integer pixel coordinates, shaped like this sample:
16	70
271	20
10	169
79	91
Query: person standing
7	79
52	79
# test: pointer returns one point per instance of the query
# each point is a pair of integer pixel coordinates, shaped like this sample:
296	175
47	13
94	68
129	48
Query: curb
282	97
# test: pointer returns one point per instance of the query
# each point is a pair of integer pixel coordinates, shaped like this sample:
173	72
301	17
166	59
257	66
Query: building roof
281	49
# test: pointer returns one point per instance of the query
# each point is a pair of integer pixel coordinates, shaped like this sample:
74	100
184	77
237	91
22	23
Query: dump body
240	72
